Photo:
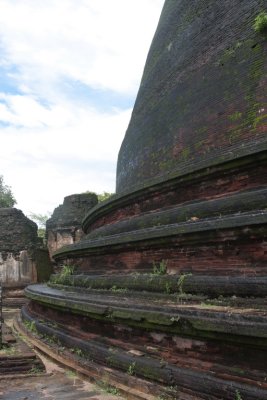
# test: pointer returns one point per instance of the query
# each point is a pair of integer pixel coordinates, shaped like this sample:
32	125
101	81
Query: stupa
165	296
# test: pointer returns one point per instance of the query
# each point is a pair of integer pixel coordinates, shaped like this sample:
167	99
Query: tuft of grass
35	370
238	395
131	369
180	282
160	269
115	289
260	23
30	325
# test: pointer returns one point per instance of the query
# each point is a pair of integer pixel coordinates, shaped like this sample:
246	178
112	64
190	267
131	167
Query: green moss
260	23
235	116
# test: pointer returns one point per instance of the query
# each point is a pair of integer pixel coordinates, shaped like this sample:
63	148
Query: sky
69	75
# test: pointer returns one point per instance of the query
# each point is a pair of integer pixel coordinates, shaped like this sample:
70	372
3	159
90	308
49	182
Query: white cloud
101	43
57	136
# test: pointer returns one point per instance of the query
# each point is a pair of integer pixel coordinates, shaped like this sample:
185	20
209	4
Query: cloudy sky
69	74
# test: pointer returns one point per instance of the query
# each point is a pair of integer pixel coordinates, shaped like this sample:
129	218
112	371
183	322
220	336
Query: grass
35	370
238	395
131	369
160	268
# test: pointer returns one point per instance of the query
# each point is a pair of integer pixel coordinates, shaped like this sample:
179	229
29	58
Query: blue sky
69	74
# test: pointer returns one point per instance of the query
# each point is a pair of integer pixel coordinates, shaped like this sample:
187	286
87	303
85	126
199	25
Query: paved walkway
57	384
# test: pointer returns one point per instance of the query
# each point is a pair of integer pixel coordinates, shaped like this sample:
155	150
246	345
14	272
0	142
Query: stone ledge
257	153
244	222
229	323
251	200
222	384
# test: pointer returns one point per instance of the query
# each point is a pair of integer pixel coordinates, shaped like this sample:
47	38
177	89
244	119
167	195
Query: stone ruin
65	225
168	297
22	258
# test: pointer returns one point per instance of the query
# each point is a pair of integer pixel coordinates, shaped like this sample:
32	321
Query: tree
104	196
40	220
7	198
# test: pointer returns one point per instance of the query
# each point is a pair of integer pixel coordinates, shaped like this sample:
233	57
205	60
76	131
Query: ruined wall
18	241
64	227
201	99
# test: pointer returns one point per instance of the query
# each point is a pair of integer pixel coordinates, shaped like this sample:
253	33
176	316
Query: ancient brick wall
201	99
18	241
65	225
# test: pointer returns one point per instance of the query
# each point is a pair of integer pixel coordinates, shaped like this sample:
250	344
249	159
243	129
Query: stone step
159	281
211	380
205	320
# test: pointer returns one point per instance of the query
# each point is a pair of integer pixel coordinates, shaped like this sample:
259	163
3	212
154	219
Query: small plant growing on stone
180	282
35	370
238	395
167	288
260	24
67	270
131	368
161	268
30	325
115	289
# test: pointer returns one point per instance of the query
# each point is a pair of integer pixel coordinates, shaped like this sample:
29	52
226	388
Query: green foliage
107	388
235	116
6	196
67	270
161	268
36	369
7	350
103	196
115	289
238	395
180	282
260	23
40	219
131	368
30	325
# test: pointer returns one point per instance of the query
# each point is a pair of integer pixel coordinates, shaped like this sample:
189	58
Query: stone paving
58	383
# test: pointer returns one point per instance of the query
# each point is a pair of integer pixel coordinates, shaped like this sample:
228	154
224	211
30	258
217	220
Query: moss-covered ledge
175	378
225	323
247	201
245	224
168	284
248	156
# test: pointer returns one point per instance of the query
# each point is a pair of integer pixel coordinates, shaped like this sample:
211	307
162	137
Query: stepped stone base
16	357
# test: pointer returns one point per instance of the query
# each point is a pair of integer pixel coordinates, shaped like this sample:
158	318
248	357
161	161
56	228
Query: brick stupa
168	299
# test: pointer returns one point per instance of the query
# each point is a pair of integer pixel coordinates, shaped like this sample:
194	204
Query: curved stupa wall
202	99
165	296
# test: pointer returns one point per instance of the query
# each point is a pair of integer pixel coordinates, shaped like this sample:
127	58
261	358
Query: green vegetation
107	388
115	289
180	282
131	369
103	196
161	268
40	220
36	369
67	270
6	196
235	116
260	23
30	325
238	395
71	374
8	351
